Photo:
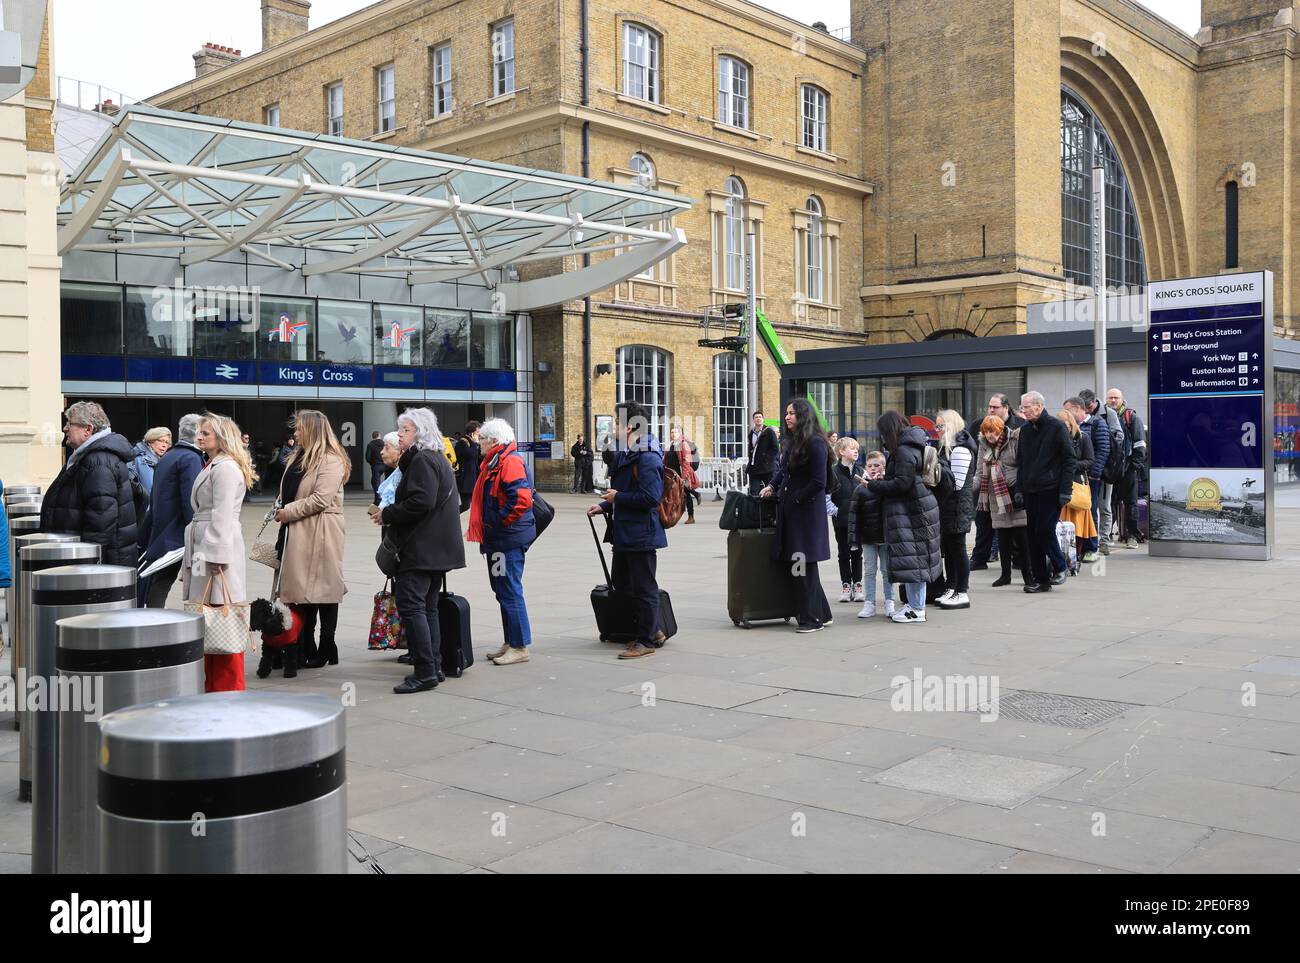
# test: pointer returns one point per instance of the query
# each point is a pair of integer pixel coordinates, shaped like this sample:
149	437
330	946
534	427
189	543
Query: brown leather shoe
636	651
690	520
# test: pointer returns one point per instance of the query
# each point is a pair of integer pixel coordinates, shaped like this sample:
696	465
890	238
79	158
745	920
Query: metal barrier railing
716	474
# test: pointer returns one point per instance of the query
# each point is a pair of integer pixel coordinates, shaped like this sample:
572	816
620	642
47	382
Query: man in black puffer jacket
93	496
1046	474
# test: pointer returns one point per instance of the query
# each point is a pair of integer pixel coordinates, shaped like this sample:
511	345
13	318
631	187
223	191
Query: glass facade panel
286	329
729	419
155	325
341	328
446	338
1286	422
398	334
90	317
225	323
927	394
825	396
493	342
981	384
866	411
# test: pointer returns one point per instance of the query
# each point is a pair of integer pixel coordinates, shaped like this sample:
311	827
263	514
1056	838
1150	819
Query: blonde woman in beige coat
214	540
312	533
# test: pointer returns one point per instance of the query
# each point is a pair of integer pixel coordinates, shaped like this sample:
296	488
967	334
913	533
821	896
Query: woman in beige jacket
214	541
312	533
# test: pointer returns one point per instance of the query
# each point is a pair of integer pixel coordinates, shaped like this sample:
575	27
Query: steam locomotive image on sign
1208	505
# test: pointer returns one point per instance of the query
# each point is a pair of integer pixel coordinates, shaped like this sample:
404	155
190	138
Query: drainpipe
588	421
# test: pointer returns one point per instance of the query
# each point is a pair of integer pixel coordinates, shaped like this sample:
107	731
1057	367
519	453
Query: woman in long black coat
911	514
802	534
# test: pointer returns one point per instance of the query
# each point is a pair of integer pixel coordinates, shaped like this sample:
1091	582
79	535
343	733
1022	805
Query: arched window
640	63
734	235
1085	145
816	289
733	92
644	169
729	405
643	378
812	117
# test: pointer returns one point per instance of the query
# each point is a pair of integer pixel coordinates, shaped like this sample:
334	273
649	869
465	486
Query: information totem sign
1210	384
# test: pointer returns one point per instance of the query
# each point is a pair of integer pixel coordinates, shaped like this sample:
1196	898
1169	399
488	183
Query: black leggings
956	562
329	622
850	559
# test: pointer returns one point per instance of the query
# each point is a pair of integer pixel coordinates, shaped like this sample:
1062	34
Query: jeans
1043	510
813	607
956	562
850	559
874	556
915	595
633	575
758	482
416	593
506	575
1095	486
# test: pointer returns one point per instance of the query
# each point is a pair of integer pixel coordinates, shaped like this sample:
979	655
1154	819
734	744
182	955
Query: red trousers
223	673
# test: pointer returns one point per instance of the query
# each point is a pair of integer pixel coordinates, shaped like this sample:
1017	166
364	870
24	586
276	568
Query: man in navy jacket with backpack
632	506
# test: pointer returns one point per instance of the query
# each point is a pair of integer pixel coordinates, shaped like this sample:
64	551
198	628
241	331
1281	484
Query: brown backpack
672	503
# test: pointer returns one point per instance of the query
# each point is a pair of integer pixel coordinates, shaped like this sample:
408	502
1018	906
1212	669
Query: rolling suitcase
758	588
615	619
1069	547
454	632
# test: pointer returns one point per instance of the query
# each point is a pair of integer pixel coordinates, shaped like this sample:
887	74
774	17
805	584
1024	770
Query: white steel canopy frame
203	187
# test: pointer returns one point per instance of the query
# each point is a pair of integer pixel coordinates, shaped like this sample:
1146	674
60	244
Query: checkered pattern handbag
263	550
225	627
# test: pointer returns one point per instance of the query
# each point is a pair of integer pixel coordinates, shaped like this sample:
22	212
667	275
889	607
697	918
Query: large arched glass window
1085	145
734	235
643	170
643	378
729	405
816	290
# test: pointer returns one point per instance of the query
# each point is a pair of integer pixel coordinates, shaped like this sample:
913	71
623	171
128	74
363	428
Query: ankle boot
265	663
291	662
327	654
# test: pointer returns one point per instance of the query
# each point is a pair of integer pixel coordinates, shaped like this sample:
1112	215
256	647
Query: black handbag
543	513
388	556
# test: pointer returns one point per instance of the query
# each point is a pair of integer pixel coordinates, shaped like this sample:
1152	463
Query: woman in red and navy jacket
501	521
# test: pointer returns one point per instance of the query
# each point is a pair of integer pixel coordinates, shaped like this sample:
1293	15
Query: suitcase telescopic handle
600	550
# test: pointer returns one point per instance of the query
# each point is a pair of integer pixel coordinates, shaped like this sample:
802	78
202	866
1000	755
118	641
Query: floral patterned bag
385	627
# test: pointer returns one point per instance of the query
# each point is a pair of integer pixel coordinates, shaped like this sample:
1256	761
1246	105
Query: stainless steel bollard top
23	490
228	782
123	658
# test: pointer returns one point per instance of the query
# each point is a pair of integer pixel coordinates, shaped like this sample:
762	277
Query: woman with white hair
501	521
424	525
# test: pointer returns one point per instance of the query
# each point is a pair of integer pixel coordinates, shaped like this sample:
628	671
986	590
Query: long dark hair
891	426
807	426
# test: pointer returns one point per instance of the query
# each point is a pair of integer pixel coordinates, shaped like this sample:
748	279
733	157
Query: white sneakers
954	600
858	594
868	611
889	608
846	594
909	616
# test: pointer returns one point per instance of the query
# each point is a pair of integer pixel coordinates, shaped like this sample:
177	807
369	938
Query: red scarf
489	468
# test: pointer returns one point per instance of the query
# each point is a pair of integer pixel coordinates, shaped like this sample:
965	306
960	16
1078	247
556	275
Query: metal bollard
17	526
38	561
58	593
229	782
23	490
121	659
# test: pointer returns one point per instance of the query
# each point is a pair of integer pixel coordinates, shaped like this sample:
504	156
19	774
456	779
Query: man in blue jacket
632	504
1097	431
169	511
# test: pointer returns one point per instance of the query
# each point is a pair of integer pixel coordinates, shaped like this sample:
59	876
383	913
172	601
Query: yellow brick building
923	178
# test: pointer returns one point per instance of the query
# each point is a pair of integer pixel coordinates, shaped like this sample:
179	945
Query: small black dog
280	626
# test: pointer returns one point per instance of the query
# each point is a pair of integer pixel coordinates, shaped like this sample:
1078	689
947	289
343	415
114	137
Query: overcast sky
145	46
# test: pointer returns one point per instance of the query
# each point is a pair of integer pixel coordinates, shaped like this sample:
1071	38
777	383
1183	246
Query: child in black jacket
866	533
845	477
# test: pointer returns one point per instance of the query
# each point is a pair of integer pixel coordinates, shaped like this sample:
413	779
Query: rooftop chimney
283	20
213	57
107	107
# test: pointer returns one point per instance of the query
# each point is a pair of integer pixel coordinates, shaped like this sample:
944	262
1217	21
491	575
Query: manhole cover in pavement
1053	709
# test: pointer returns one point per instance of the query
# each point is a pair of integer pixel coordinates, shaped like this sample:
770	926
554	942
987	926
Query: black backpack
1116	461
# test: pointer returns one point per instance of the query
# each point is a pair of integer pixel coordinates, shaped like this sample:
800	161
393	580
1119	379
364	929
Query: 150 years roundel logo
1203	495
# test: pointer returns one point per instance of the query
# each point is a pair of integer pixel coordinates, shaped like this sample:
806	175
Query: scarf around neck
995	494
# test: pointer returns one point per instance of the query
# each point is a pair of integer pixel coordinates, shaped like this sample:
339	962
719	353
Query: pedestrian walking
866	532
631	504
912	524
312	533
1094	428
957	451
763	449
1135	453
683	457
170	511
998	493
800	486
373	456
92	496
845	479
501	521
1046	466
424	527
214	570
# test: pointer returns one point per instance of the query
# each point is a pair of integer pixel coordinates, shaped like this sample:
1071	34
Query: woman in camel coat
214	541
312	533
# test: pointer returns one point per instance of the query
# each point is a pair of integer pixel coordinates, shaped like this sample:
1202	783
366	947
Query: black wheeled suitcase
758	588
615	618
454	632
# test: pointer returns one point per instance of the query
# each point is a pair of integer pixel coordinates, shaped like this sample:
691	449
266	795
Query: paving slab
975	776
1139	751
528	729
395	745
518	775
1038	864
679	718
1225	851
818	707
667	754
1223	805
697	690
605	799
704	815
876	748
789	735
